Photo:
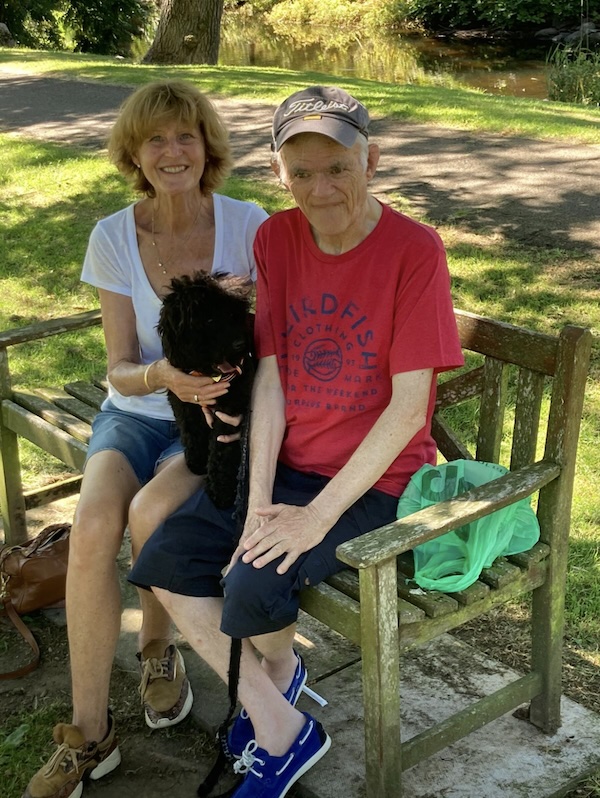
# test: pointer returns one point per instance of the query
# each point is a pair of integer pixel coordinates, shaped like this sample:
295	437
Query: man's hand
234	421
282	529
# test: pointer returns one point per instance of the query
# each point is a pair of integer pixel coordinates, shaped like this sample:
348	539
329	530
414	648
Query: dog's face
204	324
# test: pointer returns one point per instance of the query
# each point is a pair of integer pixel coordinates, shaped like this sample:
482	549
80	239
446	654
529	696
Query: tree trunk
188	33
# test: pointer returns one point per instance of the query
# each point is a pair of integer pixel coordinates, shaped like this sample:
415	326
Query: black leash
224	758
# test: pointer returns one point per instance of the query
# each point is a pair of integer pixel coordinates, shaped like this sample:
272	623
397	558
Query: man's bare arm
292	530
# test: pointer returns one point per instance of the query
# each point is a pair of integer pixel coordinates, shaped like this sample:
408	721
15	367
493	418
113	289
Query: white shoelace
247	760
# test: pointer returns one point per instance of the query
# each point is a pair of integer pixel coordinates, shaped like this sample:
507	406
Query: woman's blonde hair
163	102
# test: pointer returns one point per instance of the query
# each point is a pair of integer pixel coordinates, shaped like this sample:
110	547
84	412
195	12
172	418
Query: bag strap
27	635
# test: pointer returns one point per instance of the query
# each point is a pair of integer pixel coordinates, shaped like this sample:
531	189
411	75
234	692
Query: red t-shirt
342	325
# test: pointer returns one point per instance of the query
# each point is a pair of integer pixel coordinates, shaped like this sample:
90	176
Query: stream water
498	68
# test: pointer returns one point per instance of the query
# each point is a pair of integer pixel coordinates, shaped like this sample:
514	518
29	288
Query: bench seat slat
432	602
472	594
538	553
87	393
500	573
56	416
418	633
52	440
65	401
346	582
335	608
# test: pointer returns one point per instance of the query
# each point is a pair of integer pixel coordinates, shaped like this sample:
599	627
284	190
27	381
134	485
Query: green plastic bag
454	560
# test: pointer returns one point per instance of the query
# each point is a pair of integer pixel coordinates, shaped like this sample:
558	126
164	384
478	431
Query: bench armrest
393	539
45	329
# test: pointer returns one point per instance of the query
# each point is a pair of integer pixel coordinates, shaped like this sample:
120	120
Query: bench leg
547	618
11	491
381	680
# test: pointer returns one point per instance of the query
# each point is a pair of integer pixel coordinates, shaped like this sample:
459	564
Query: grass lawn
51	196
467	109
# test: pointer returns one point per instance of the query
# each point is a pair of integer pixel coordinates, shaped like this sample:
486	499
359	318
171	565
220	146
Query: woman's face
172	157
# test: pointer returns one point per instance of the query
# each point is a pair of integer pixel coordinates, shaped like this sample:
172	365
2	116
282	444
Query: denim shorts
187	553
144	442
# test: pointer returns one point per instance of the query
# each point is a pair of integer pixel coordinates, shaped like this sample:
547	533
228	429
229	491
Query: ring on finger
196	398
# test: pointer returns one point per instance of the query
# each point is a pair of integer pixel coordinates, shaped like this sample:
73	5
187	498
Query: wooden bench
527	389
58	420
527	392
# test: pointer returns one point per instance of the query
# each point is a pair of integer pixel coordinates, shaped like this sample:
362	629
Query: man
354	319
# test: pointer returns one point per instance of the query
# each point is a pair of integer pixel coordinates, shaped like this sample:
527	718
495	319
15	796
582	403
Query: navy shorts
188	552
144	442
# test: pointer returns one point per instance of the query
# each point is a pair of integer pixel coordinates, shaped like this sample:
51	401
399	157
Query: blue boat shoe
267	776
242	730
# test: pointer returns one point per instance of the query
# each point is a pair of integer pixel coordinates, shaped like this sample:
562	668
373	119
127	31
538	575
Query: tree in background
107	27
188	33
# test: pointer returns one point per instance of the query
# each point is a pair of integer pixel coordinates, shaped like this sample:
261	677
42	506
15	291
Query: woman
169	141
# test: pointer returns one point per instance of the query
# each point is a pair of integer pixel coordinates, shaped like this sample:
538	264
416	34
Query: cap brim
336	129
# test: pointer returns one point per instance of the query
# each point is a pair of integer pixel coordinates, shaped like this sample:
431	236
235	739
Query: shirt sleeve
425	333
102	265
264	340
256	217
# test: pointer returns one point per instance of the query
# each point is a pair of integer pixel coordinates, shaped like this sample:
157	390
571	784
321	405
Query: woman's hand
194	388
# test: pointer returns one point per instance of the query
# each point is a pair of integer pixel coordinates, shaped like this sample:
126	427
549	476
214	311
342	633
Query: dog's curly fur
205	322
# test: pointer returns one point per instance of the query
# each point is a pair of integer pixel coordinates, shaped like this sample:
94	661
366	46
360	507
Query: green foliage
32	23
343	15
504	14
574	75
22	737
107	27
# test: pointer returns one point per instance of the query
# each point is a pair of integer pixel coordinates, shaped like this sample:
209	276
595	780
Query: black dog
206	327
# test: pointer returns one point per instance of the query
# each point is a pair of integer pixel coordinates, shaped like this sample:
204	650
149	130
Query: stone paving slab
508	758
437	680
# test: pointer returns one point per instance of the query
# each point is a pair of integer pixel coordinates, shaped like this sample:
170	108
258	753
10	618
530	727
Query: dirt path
535	192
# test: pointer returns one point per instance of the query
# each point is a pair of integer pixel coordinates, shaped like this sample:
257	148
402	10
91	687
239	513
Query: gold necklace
161	263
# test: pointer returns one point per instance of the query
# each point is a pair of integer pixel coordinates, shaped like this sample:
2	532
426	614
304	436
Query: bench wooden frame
58	421
371	603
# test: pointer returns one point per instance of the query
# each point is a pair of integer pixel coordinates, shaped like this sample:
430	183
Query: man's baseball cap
320	109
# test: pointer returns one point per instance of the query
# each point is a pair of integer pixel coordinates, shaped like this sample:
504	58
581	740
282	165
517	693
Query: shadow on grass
422	103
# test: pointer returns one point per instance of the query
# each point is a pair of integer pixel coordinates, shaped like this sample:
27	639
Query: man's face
328	181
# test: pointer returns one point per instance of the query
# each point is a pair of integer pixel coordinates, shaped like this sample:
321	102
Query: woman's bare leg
93	598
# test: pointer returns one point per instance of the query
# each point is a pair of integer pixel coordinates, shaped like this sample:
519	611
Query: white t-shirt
113	262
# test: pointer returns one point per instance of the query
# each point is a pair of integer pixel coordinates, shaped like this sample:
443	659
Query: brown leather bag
32	576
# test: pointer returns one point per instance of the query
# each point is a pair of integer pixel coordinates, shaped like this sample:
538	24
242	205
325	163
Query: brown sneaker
165	690
74	760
